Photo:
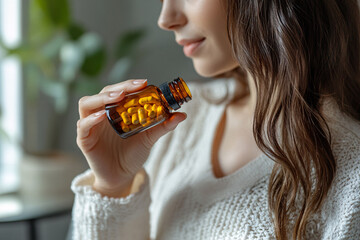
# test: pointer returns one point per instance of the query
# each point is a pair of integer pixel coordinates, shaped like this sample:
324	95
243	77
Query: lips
191	45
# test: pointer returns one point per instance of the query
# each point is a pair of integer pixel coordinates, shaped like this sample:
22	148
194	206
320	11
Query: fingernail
184	116
139	81
180	117
97	114
115	94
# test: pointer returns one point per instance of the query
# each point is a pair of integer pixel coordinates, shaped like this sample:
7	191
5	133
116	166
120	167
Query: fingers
128	86
84	125
90	104
109	94
153	134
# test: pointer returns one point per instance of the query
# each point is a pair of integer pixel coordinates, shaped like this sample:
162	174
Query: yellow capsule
149	99
132	110
135	118
154	107
147	107
148	122
155	96
152	111
124	127
126	118
142	115
159	111
145	100
131	103
152	114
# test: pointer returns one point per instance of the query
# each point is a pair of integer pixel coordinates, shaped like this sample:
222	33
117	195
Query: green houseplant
60	60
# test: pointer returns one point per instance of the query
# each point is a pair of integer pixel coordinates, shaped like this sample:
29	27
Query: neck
247	92
252	91
234	144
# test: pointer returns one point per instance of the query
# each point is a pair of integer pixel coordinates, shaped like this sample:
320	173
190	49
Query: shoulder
345	135
342	207
345	141
346	149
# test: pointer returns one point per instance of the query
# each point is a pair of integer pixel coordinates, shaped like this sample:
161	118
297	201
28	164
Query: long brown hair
297	51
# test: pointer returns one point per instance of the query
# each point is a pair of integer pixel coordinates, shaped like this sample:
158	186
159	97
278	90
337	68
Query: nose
171	16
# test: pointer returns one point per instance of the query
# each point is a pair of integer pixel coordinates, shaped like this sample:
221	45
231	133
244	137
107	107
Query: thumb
168	125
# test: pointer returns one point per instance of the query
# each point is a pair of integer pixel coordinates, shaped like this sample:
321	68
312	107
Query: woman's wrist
119	190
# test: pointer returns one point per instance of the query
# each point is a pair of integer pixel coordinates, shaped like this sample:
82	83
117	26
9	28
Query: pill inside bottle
147	108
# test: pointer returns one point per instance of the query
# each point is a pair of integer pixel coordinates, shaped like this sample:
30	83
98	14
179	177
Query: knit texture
188	202
97	217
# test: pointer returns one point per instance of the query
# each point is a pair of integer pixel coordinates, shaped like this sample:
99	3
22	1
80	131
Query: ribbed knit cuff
100	217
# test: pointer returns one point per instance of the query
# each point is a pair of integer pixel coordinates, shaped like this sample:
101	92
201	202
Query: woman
271	149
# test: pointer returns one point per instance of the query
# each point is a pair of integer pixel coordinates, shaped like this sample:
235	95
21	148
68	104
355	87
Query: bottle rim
186	88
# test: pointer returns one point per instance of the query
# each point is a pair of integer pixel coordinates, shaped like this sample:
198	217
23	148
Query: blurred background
53	52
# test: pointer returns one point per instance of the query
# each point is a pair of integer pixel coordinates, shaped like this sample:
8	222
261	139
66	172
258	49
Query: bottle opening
176	93
185	91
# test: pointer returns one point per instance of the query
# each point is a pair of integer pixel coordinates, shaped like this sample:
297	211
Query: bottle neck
176	93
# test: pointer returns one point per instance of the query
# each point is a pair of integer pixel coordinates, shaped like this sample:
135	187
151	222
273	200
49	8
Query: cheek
216	57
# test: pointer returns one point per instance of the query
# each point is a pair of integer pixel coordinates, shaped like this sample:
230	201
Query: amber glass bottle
144	109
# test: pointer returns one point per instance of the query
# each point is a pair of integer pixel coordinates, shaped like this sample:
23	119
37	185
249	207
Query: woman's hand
114	160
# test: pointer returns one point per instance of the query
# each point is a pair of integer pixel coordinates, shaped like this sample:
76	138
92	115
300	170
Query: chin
213	70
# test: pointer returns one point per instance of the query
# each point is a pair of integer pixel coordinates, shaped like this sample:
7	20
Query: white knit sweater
188	202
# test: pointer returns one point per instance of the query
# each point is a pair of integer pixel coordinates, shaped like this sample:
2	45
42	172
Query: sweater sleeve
97	217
